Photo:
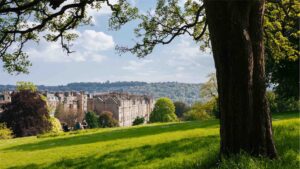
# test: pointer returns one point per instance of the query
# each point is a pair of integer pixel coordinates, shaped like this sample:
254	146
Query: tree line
185	92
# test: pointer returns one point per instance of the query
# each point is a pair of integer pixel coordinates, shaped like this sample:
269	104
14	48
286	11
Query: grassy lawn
170	145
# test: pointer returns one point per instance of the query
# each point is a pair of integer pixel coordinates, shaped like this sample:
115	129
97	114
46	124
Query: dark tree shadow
145	155
112	135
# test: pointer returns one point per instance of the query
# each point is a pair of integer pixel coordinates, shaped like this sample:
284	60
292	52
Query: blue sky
96	60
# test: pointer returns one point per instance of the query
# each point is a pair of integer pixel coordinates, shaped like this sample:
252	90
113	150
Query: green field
169	145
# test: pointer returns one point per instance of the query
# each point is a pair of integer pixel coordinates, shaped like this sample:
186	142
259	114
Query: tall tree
209	89
163	111
27	114
236	37
236	32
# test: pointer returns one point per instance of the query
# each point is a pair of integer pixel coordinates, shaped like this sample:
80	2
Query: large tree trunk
237	41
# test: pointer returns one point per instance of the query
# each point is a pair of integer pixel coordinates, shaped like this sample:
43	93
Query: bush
106	120
164	111
5	133
271	96
216	111
193	115
56	126
69	116
27	114
200	111
214	108
278	104
138	120
92	120
180	108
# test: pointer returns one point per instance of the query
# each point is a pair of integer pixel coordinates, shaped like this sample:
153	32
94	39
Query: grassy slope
173	145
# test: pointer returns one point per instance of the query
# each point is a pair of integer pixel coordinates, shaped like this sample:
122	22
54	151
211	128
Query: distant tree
68	115
27	114
138	120
209	90
59	110
92	120
209	95
180	108
164	111
199	111
106	120
26	86
194	115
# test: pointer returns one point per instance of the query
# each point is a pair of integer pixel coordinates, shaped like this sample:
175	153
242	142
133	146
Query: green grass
171	145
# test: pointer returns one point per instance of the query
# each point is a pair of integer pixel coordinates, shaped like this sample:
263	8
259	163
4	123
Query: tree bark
237	42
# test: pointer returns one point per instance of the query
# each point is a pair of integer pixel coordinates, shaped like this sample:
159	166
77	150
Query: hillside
185	92
171	145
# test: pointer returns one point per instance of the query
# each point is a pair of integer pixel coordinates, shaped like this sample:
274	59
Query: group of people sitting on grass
78	126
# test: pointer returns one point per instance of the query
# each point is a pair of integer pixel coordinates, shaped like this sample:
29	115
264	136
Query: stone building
5	97
125	107
72	101
52	102
68	101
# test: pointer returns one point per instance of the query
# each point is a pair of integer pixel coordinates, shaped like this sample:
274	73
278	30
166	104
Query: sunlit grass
170	145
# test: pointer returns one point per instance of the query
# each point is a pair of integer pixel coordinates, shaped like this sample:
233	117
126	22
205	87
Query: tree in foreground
164	111
92	120
236	33
180	108
106	120
27	114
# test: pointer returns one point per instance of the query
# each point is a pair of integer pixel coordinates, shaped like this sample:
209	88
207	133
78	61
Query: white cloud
186	53
135	65
95	41
87	47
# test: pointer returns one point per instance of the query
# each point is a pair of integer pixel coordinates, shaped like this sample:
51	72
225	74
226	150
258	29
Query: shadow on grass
165	155
112	135
285	115
169	156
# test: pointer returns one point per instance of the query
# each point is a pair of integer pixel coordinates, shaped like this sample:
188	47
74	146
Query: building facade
5	97
125	107
69	101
